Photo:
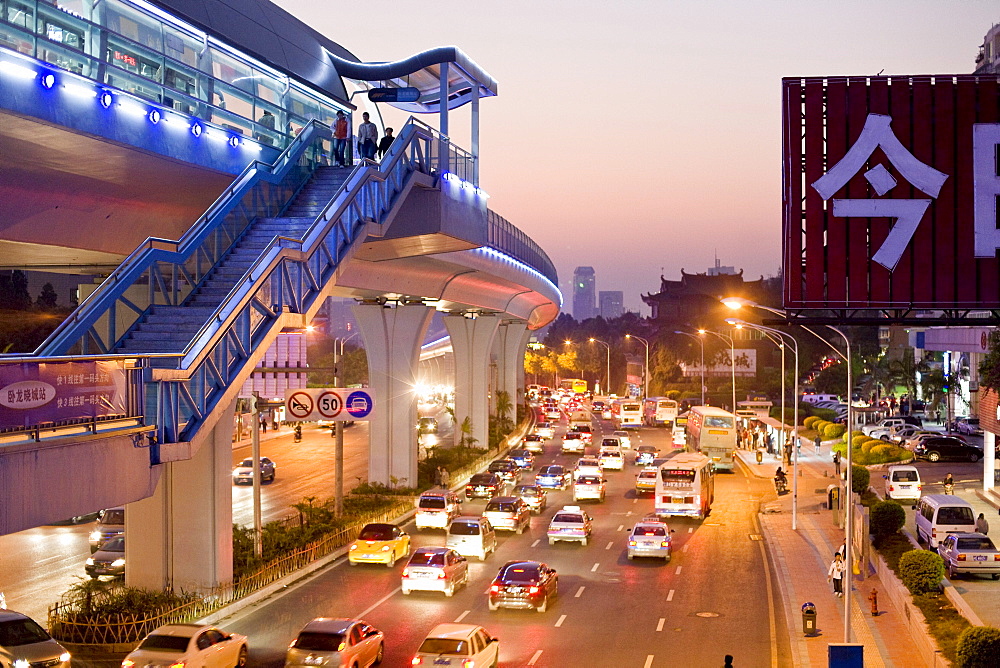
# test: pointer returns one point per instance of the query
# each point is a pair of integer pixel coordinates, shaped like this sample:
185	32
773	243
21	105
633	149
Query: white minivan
472	537
902	482
941	514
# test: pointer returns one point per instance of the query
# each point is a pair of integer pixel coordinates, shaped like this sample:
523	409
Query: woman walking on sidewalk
836	573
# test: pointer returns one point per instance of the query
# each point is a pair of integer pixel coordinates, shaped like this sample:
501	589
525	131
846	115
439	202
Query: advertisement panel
890	188
33	394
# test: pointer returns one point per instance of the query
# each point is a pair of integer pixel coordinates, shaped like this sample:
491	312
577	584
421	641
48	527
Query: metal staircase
197	310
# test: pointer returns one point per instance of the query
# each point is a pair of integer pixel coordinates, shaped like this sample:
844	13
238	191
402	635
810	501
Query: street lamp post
732	358
607	380
701	342
737	302
645	369
795	411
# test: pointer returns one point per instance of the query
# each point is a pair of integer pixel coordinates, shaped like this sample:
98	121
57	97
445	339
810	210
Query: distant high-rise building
988	59
719	270
611	303
583	293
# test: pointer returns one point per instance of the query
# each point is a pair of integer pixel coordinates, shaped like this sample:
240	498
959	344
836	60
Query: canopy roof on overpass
423	72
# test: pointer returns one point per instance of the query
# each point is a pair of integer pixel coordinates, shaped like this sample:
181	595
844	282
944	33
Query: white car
612	459
623	438
189	645
588	466
24	643
435	569
340	643
458	646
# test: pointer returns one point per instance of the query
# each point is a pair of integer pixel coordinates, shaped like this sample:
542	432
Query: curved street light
607	380
732	358
645	369
701	342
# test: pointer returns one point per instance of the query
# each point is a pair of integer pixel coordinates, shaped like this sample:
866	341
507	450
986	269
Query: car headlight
64	657
90	561
117	563
21	663
95	536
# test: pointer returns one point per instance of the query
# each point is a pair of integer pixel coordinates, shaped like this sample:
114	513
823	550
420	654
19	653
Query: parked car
458	646
24	643
902	482
243	472
336	643
435	569
967	425
189	645
523	584
945	447
970	554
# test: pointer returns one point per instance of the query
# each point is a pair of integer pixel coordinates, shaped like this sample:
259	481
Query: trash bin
809	618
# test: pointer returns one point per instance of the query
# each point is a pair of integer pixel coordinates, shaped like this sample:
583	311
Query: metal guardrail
504	237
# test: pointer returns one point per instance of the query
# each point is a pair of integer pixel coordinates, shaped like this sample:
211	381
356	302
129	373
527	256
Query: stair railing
165	272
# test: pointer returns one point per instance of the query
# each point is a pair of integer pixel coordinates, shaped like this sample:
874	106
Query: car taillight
178	664
416	661
128	663
665	543
533	589
632	543
892	488
495	589
442	575
996	557
469	663
961	557
406	572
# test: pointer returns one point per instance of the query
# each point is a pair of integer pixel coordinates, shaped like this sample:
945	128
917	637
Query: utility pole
258	547
339	442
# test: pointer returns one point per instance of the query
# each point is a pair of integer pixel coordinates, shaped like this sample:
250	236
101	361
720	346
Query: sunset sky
643	136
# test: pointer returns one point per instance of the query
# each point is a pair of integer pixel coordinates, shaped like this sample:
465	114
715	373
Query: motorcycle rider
780	480
949	484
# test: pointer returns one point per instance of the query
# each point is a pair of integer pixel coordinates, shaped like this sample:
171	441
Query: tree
989	368
47	298
14	291
504	408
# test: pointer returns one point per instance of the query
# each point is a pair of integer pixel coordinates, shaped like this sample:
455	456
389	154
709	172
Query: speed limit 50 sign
329	403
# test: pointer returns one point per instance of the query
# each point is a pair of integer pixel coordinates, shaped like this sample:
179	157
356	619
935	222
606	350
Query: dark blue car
644	455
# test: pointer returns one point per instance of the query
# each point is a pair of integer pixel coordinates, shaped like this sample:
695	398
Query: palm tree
504	408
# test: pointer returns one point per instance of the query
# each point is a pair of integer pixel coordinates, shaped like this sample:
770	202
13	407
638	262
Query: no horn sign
329	403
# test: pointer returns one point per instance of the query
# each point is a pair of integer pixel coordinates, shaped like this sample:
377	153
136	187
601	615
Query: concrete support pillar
472	341
521	382
182	536
509	345
989	459
392	341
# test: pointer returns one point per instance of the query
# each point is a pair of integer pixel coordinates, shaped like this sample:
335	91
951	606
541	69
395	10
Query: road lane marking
462	616
659	624
380	601
534	657
537	541
608	547
621	526
649	661
596	566
685	548
561	619
670	597
679	570
578	592
690	529
635	500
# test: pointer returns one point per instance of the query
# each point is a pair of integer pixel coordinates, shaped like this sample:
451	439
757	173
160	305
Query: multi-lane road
712	599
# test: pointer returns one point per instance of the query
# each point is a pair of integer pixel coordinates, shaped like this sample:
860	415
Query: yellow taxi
645	481
379	544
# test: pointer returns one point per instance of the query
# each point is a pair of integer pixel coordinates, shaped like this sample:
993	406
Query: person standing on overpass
340	140
367	138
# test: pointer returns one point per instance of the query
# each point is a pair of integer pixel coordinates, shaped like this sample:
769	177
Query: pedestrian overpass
176	329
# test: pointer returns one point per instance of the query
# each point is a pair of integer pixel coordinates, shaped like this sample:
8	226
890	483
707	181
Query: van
902	482
436	508
472	536
941	514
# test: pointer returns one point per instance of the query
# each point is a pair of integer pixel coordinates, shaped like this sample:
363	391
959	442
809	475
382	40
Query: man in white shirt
367	138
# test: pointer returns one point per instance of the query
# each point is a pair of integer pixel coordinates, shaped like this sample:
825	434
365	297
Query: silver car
24	643
969	553
344	643
650	538
435	569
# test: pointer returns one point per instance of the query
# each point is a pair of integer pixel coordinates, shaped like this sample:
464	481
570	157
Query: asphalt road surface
710	600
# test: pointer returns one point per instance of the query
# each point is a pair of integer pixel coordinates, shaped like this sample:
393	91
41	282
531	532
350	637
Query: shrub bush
860	479
880	453
825	414
867	445
979	647
921	571
810	422
857	440
840	447
832	431
860	457
886	519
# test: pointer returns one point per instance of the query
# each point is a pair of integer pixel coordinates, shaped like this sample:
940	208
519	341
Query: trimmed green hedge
979	647
921	571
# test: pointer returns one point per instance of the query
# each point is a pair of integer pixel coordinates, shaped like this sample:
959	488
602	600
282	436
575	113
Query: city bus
627	413
712	432
685	486
577	385
659	412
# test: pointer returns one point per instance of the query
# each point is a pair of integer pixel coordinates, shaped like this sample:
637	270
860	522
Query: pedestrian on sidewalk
836	574
982	526
263	424
445	478
836	462
819	443
437	476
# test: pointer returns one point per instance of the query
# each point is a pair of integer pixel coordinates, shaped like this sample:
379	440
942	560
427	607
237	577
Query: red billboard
890	192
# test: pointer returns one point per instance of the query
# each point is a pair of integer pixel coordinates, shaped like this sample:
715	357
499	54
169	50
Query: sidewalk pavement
801	558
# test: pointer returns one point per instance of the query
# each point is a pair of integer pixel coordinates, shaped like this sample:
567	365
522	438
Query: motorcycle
780	485
298	434
949	488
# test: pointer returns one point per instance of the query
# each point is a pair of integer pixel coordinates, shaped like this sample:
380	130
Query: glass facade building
135	47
